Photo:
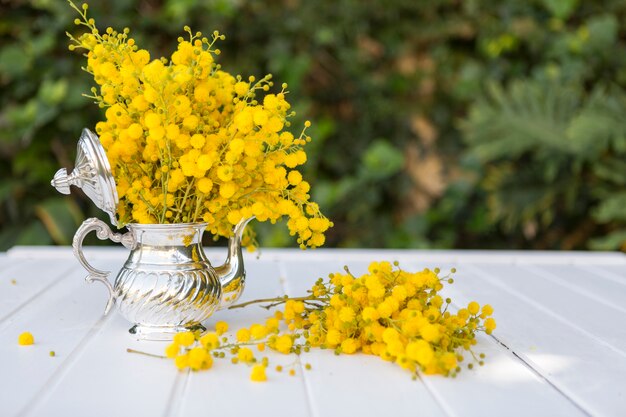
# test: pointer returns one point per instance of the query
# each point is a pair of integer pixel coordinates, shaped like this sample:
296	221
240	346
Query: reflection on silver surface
92	174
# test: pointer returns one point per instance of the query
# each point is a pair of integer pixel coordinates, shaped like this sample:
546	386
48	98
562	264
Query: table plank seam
541	376
508	351
482	274
282	270
434	394
603	273
418	389
177	394
571	286
63	276
47	388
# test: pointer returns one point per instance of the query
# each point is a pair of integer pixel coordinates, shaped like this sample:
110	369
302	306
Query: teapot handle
103	232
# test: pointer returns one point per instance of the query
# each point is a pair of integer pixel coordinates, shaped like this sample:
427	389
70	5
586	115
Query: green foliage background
449	124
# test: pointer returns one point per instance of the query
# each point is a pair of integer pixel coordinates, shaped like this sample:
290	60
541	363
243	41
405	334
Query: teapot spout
232	274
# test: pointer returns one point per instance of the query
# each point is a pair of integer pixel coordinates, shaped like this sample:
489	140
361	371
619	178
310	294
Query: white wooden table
559	349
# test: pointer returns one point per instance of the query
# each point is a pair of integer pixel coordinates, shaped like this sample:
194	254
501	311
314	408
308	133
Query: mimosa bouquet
189	142
388	312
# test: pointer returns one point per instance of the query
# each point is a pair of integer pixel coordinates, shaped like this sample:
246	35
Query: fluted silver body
167	284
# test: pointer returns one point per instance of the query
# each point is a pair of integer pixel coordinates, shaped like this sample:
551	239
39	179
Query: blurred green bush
436	124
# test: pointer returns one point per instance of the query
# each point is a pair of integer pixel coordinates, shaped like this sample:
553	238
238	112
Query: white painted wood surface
559	349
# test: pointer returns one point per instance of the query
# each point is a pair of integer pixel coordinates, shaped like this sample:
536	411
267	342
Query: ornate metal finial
61	182
92	174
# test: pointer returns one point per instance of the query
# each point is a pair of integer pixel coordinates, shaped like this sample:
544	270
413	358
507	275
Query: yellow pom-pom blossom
283	343
221	327
243	335
172	350
25	339
258	373
184	339
189	142
245	355
473	307
210	341
490	325
199	359
387	312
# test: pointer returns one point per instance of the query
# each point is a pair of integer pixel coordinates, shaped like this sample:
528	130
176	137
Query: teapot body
167	284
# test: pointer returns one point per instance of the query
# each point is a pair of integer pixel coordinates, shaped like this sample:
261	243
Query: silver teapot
167	284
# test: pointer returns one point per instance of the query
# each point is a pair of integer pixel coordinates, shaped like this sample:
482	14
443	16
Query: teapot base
161	333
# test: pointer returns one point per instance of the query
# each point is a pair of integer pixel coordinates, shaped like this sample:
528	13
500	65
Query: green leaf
612	208
14	61
599	124
22	116
603	33
42	44
7	187
53	92
612	171
8	236
61	217
44	4
330	193
561	9
527	116
613	241
179	9
381	159
34	234
274	235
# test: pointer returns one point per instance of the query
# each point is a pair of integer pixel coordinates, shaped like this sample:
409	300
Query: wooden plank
514	389
338	385
148	386
364	385
100	365
7	262
102	379
590	282
63	318
32	278
588	371
448	256
226	389
504	386
576	308
615	272
60	318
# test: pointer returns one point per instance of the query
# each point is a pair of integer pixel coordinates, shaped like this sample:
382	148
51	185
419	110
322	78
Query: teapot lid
92	174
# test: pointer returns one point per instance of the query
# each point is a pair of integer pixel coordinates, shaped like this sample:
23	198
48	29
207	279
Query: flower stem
152	355
275	301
